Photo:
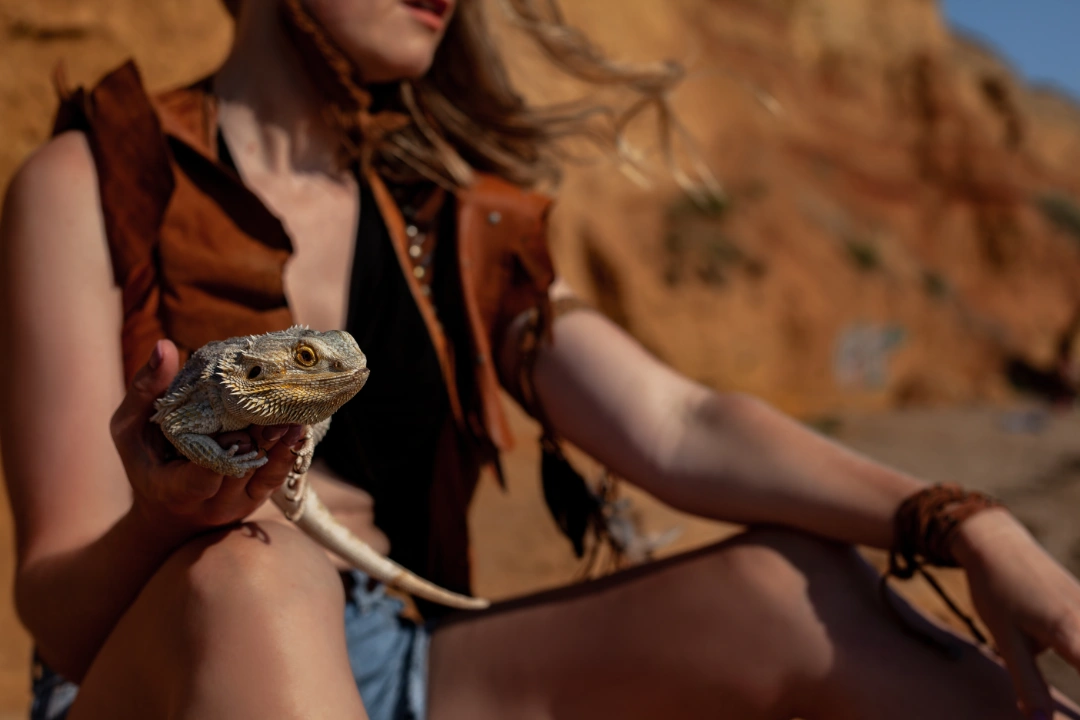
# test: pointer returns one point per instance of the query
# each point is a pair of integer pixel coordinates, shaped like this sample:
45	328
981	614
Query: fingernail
295	436
157	356
274	434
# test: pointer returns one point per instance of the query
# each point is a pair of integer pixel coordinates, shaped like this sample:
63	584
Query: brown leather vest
200	258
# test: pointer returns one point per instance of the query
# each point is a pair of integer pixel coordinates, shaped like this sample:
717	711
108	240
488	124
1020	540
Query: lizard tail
319	524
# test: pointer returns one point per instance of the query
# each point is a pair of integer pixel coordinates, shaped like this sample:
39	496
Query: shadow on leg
770	624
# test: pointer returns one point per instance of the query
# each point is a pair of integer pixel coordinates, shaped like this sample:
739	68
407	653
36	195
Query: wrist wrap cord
925	526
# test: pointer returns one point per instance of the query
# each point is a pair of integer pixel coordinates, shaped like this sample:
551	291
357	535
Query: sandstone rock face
887	236
174	41
886	239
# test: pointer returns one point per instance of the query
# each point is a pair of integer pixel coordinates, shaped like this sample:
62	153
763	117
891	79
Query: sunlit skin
386	39
176	622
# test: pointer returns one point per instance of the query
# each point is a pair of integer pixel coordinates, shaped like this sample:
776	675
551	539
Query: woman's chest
321	219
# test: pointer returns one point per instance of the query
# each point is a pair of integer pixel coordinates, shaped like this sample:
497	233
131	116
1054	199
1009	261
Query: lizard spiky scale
296	376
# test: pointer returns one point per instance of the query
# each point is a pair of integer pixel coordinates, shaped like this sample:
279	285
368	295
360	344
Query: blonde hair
467	115
464	115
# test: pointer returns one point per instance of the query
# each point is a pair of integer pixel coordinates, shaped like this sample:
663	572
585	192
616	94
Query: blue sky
1041	38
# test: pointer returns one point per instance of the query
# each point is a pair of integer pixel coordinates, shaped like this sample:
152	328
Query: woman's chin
394	72
406	61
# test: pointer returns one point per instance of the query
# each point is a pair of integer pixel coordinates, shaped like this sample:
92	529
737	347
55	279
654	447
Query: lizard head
297	376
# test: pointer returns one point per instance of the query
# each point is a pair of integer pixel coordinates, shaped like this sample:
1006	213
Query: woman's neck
269	111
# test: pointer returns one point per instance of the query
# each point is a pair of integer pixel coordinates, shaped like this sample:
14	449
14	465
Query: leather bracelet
925	526
926	523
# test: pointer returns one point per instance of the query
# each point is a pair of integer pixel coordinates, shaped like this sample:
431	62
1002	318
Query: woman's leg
771	624
246	623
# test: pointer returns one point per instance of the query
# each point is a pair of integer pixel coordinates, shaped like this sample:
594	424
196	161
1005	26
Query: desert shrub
1062	211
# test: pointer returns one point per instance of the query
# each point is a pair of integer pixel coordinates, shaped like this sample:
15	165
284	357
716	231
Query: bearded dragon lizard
295	376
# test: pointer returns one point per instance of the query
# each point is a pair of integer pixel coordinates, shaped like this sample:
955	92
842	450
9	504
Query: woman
135	578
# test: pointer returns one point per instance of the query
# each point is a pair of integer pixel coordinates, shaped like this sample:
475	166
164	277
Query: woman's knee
258	590
790	586
785	566
255	564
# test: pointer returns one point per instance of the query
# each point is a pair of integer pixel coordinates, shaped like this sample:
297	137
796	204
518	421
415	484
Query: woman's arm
731	457
60	380
92	524
725	456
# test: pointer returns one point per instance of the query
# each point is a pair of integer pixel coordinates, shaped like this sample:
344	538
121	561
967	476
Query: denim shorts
388	655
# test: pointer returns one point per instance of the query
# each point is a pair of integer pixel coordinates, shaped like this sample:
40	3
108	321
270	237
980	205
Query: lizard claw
240	465
248	456
203	450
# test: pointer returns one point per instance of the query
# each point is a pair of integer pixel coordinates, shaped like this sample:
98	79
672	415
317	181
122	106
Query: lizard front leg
294	489
189	428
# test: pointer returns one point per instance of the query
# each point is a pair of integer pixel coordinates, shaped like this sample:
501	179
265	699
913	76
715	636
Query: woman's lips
429	12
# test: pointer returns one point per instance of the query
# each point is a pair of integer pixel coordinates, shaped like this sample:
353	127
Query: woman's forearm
725	456
743	461
70	601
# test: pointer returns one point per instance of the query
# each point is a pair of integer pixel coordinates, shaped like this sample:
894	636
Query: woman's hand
178	498
1029	602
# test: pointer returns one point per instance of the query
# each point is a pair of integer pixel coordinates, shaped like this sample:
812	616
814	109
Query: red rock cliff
899	205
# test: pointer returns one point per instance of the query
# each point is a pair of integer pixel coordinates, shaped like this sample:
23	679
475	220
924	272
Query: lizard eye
254	372
306	356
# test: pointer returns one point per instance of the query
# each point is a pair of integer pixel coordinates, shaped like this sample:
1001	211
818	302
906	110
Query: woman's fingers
141	444
240	438
264	435
1066	639
270	476
129	421
209	499
1031	688
238	497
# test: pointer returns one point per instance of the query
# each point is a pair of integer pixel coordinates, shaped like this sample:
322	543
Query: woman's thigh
244	623
771	624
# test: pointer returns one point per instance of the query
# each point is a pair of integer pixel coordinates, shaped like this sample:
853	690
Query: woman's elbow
701	446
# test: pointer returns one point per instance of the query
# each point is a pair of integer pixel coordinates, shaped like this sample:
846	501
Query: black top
384	439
